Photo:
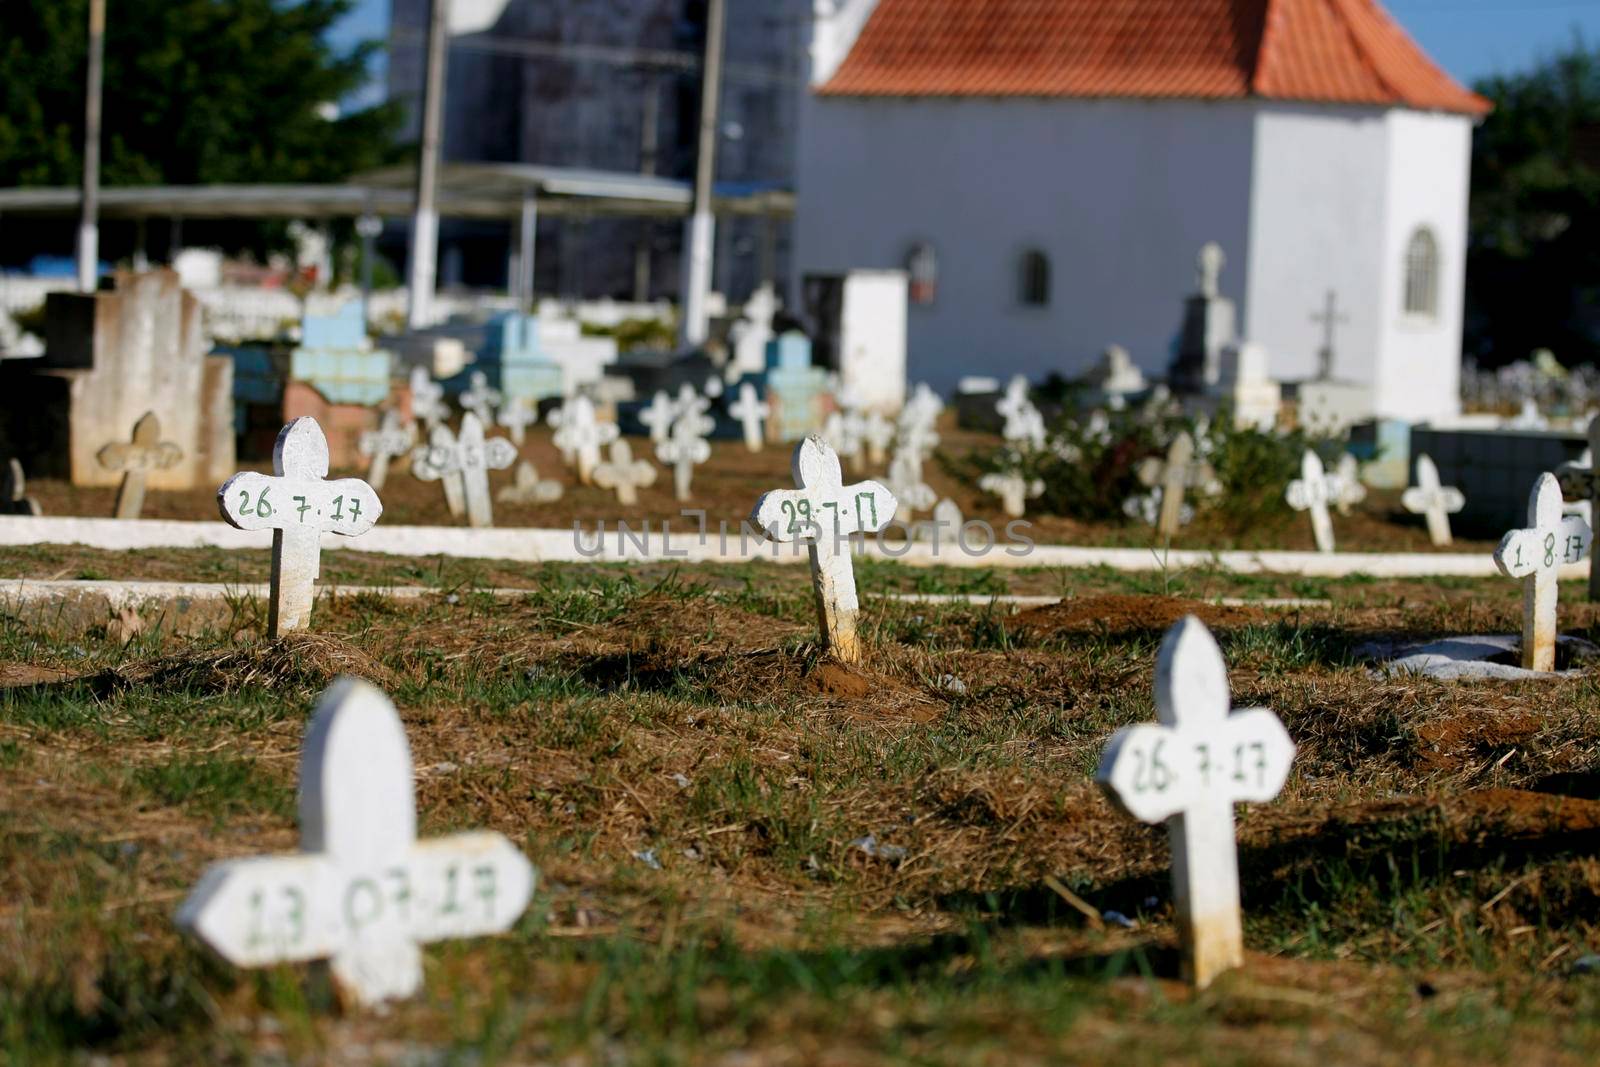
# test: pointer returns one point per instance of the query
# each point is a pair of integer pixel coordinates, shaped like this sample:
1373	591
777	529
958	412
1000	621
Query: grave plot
750	851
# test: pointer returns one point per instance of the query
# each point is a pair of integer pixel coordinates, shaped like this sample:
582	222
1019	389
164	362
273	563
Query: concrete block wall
1496	470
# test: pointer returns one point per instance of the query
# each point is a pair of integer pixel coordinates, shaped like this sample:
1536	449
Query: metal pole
701	228
89	223
423	267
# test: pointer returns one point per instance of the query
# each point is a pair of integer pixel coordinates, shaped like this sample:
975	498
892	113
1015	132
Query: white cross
145	452
1015	400
684	449
427	397
946	524
516	415
824	512
389	439
878	433
13	491
689	402
1146	507
624	473
1025	427
363	892
479	399
297	504
1345	490
923	405
436	461
1013	489
1180	471
581	435
1437	502
844	430
905	482
658	416
1535	555
750	410
528	488
918	437
1309	492
1579	483
1189	772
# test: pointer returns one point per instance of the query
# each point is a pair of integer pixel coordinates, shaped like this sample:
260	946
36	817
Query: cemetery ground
751	855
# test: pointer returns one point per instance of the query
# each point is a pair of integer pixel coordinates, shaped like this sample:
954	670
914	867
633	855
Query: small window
1422	274
922	264
1033	279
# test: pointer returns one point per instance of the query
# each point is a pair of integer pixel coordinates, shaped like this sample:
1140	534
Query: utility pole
423	266
700	232
89	223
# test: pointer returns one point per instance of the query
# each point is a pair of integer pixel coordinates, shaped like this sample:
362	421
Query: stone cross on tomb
13	491
878	434
658	416
1189	772
297	503
515	416
467	460
1437	502
479	398
1309	492
1182	470
1580	482
582	435
427	398
825	513
750	410
362	893
528	488
1330	318
1535	555
145	452
388	440
1345	490
906	484
624	474
435	462
685	447
1013	489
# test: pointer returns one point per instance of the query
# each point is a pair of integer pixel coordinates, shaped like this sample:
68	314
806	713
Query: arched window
1033	279
922	264
1422	274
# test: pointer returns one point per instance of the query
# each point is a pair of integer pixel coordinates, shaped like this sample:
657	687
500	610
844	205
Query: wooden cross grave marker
363	893
469	459
297	503
528	488
1309	492
145	452
1535	555
750	410
1013	489
479	398
388	440
1182	470
658	416
13	491
685	447
581	436
1438	502
1579	482
824	513
1189	772
515	416
624	474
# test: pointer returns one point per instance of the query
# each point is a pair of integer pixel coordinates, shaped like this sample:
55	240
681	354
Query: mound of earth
1126	614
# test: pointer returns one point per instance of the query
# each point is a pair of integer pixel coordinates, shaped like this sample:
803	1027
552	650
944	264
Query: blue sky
1469	38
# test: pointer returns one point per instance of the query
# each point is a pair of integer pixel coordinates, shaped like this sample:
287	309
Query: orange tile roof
1329	51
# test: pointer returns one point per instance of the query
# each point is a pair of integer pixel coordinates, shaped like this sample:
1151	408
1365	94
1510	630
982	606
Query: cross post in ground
1535	555
624	474
388	440
1438	502
750	410
1580	482
1180	471
145	452
1309	492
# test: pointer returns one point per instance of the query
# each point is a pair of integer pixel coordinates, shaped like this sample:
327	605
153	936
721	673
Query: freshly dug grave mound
1128	614
297	660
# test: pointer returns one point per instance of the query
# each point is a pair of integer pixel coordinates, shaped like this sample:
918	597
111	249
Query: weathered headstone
13	491
528	488
658	416
751	411
906	484
581	435
1437	502
686	447
1182	470
388	440
625	474
297	503
824	512
1309	492
436	461
1189	772
1579	482
1535	555
515	416
146	452
1014	490
363	892
479	398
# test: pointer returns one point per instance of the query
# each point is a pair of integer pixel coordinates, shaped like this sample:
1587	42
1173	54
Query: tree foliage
196	91
1534	262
